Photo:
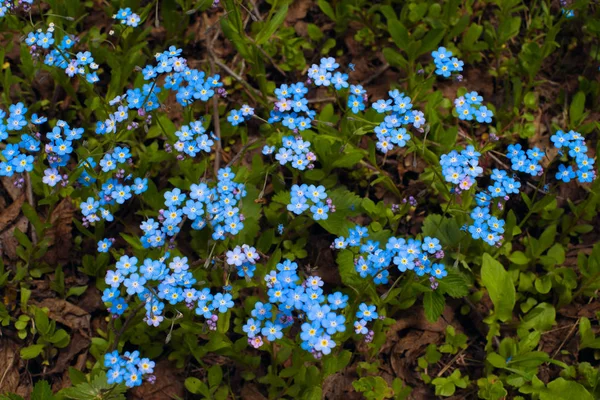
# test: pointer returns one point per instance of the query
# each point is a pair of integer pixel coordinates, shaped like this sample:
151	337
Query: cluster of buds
212	322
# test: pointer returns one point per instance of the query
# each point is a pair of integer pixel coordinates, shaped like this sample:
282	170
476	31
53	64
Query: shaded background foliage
523	327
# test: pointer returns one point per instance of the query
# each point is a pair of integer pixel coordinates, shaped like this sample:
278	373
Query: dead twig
30	200
216	121
456	357
376	75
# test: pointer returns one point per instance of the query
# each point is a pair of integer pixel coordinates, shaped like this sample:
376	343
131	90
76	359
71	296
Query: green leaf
433	303
327	9
454	284
42	391
29	352
314	32
196	386
576	108
215	376
60	338
23	240
33	217
345	261
499	286
541	317
267	32
445	229
588	339
399	33
76	376
431	40
562	389
76	291
394	58
508	28
519	258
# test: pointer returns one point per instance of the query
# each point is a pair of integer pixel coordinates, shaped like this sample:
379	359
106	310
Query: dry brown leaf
168	384
251	392
9	185
10	213
9	373
68	314
60	233
339	386
8	242
298	10
77	344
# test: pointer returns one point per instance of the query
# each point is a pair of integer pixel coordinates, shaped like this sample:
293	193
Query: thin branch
242	151
124	326
447	366
376	75
235	76
216	122
30	200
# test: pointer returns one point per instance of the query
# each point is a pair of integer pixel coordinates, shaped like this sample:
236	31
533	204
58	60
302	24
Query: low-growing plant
300	199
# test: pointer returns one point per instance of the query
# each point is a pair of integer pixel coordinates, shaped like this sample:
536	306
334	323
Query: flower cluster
236	117
291	107
462	168
128	368
7	6
188	84
143	101
365	314
326	74
127	17
528	161
115	190
301	195
192	139
486	226
216	205
577	149
373	261
244	259
294	151
309	303
391	131
59	150
16	156
469	106
445	64
82	64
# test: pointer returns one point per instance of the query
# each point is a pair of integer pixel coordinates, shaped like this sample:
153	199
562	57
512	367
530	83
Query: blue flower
134	284
382	106
366	312
431	245
272	331
319	211
104	245
565	173
438	271
360	327
324	344
252	327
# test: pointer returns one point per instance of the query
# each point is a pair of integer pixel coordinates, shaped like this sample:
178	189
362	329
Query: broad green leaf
42	391
29	352
499	286
327	9
576	108
433	304
541	317
269	29
562	389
